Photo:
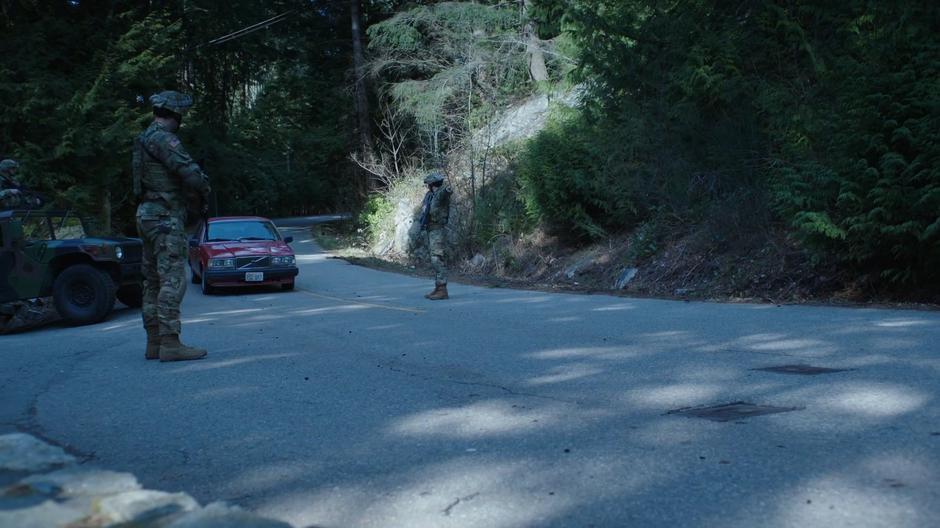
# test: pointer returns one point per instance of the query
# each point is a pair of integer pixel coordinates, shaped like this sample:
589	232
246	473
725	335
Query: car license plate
254	276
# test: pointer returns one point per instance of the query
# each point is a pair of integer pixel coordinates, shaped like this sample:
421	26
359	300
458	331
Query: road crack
503	388
30	423
457	501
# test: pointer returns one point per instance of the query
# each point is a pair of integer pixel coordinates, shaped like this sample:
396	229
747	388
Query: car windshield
242	230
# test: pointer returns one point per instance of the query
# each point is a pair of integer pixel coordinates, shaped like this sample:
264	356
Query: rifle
203	200
197	204
426	210
30	197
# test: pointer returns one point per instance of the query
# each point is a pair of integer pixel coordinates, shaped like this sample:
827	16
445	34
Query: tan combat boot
432	292
153	342
439	293
172	350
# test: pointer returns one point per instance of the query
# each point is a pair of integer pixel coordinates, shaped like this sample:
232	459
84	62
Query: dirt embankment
768	268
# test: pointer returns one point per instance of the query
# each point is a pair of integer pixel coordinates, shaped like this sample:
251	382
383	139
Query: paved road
353	402
303	221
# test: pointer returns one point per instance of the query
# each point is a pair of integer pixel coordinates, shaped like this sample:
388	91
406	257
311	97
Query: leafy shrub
376	215
499	211
573	183
864	183
644	242
833	108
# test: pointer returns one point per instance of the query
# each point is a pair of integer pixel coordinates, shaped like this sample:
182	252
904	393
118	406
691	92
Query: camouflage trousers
22	315
437	240
164	270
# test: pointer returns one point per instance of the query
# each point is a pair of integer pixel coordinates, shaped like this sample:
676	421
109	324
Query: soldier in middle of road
163	175
435	213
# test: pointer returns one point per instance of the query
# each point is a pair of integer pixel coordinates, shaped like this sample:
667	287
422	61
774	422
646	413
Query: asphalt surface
354	402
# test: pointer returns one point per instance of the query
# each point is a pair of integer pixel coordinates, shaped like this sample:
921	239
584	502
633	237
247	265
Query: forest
739	124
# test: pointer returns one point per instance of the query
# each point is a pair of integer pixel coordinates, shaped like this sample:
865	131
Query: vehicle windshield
242	231
51	226
67	227
36	228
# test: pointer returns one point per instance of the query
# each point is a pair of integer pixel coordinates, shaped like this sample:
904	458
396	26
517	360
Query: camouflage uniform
163	175
435	214
10	195
21	315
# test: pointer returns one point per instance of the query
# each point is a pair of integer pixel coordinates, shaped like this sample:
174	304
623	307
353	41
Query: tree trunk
105	215
537	67
362	94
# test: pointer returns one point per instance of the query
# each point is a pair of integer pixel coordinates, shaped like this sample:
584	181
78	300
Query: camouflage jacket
10	196
164	173
9	199
436	208
7	181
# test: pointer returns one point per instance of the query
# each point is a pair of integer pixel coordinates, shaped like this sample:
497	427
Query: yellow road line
371	305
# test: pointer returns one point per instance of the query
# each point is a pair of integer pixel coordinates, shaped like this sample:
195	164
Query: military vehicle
48	253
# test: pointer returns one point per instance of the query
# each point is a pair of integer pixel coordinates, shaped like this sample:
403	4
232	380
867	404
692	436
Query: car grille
252	262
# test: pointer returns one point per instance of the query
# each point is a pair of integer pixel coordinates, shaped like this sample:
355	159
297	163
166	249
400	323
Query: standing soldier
9	188
11	195
435	212
163	176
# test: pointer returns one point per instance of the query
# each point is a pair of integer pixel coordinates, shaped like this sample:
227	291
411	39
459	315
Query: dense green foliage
269	124
449	66
866	180
820	118
573	180
828	114
66	105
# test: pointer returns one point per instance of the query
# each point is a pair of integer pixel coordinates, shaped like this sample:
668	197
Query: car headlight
282	261
222	263
119	252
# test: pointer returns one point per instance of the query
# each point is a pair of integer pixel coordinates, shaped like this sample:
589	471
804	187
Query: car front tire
288	286
83	294
207	288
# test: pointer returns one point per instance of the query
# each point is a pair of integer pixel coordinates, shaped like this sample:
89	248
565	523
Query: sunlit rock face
517	123
526	119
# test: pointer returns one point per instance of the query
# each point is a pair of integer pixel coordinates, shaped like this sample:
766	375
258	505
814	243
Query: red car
241	251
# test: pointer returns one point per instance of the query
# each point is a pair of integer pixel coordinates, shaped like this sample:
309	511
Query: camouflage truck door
28	253
7	261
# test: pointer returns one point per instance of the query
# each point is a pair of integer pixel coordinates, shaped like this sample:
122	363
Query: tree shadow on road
545	410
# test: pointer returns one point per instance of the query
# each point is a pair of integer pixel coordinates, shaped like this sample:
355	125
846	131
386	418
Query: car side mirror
288	239
193	242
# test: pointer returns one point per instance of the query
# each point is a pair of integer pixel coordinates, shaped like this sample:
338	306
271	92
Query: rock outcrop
42	486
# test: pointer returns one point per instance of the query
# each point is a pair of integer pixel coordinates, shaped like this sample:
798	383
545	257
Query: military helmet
434	177
175	102
8	166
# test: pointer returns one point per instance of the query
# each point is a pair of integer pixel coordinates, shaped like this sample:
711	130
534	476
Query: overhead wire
248	30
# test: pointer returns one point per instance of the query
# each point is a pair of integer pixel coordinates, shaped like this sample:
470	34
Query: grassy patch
343	239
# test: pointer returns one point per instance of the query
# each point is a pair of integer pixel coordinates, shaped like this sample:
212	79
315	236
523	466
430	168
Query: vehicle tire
83	294
207	288
132	296
193	276
288	286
